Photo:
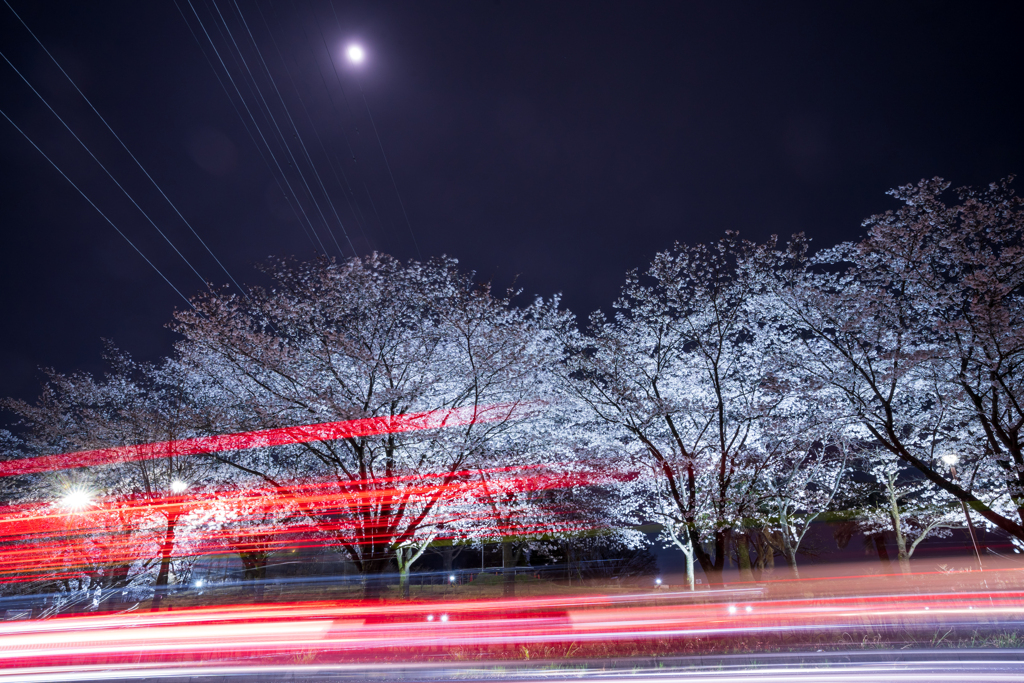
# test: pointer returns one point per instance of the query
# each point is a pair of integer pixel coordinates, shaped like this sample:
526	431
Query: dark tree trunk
508	563
448	556
883	554
375	580
166	550
712	566
743	555
255	564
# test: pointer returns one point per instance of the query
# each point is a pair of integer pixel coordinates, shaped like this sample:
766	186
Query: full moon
356	54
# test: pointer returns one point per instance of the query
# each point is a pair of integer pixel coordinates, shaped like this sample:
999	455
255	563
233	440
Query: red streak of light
327	431
237	632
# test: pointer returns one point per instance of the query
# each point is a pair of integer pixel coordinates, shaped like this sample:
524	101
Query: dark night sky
561	142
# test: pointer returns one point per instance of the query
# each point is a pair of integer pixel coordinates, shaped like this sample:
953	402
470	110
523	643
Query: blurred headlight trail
326	431
333	633
915	666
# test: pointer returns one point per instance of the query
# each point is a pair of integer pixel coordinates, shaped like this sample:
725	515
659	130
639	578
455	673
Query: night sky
558	143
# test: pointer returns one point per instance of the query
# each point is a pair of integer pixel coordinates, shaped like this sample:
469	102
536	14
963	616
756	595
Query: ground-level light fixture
76	499
451	578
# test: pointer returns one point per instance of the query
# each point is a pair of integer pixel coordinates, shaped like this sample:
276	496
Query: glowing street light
178	486
657	582
76	499
355	53
951	459
451	578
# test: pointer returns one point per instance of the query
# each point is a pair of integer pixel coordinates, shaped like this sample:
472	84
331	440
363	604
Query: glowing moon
355	54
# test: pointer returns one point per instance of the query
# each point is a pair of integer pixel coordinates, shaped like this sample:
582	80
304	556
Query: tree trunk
897	526
402	557
255	564
788	547
743	555
508	571
712	567
883	554
166	551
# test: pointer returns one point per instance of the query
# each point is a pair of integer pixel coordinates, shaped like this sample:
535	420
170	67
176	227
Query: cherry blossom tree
134	404
371	338
913	510
681	376
919	327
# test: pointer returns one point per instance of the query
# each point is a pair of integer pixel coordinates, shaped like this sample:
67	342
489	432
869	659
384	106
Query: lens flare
76	499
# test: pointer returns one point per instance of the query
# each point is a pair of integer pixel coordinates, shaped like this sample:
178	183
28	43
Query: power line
388	165
309	157
118	138
245	125
273	156
93	205
381	145
109	174
351	197
281	135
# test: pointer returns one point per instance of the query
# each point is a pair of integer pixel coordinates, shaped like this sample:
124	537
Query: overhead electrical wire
309	158
249	76
350	195
263	137
334	105
287	147
100	212
245	125
381	145
105	170
123	145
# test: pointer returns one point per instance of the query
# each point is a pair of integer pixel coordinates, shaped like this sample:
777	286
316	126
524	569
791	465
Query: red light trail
53	543
327	431
347	631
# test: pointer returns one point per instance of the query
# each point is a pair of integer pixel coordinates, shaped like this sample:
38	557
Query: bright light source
356	54
430	617
951	459
657	582
732	609
199	583
177	486
444	617
749	608
451	579
76	499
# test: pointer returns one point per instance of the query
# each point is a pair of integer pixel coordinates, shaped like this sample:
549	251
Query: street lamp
178	486
76	499
951	460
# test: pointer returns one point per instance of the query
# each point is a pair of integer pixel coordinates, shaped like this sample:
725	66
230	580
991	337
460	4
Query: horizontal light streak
302	515
349	628
282	436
